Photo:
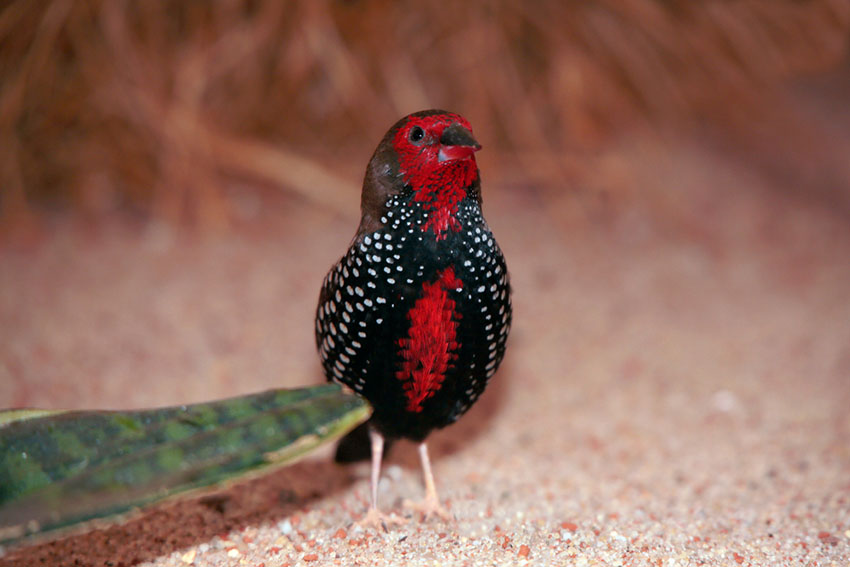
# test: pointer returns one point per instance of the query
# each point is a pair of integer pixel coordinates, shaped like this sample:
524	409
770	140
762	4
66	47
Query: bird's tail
356	446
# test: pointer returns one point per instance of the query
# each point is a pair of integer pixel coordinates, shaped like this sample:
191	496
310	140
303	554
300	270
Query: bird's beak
457	142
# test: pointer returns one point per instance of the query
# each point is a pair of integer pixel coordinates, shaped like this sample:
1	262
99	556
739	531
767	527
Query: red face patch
430	346
439	174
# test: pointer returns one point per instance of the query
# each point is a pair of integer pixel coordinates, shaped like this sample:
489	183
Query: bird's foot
375	519
429	507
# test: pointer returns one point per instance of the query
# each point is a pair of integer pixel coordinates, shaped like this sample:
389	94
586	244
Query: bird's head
433	153
429	141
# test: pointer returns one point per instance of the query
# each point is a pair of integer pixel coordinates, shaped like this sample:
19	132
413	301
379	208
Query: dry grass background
160	107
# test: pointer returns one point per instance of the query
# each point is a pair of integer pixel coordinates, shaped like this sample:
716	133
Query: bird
415	316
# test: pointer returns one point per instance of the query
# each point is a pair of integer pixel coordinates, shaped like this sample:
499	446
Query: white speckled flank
398	262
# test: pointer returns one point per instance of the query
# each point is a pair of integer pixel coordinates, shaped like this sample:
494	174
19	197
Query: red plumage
430	347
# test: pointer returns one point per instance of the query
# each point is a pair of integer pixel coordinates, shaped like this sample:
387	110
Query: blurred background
174	110
177	176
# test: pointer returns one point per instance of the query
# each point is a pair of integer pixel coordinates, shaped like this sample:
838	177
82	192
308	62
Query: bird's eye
416	134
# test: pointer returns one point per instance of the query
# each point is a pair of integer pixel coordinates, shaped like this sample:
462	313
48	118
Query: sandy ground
676	388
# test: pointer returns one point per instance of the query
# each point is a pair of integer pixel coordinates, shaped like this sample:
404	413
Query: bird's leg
430	506
377	456
374	518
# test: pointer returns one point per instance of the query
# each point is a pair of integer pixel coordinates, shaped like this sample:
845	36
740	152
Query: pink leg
377	456
374	518
430	506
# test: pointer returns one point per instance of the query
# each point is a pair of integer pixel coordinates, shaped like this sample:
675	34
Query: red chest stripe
443	206
431	343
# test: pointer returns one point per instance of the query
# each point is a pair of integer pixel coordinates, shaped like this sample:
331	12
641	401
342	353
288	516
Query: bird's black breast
377	322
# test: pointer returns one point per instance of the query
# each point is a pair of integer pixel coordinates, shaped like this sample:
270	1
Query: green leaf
59	469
